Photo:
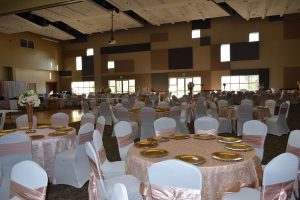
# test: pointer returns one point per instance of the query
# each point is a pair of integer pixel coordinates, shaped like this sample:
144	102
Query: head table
218	176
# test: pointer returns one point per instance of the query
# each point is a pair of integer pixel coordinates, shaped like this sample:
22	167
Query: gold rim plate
238	147
154	153
179	136
58	133
65	129
159	139
7	131
43	126
23	128
227	156
57	126
36	137
145	144
229	140
205	136
192	159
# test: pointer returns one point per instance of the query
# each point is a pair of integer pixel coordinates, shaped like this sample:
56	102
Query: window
254	37
225	52
84	87
110	64
196	33
179	85
122	86
242	82
78	63
90	52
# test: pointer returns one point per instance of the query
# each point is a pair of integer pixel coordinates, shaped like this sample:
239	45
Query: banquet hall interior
102	96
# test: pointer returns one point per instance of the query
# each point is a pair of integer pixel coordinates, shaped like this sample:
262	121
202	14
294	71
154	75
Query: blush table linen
218	176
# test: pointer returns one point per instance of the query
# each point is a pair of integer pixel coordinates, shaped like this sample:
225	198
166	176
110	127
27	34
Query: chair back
254	133
87	118
122	114
98	145
222	103
284	110
119	192
85	107
201	110
163	104
293	144
164	126
60	119
207	125
106	112
214	110
85	134
147	117
33	183
178	178
100	124
22	121
139	104
13	104
271	104
125	138
247	101
175	113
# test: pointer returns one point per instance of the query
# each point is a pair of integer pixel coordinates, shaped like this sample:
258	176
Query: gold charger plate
180	136
146	144
205	136
36	137
229	140
23	128
65	129
7	131
43	126
58	133
159	139
154	153
227	156
238	147
57	126
193	159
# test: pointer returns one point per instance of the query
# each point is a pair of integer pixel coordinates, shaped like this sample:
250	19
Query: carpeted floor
274	145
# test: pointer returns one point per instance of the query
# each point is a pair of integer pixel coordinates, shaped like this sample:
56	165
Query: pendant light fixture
112	39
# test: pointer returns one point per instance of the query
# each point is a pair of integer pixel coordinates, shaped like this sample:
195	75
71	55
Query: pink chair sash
23	192
102	155
211	131
280	191
168	192
59	121
293	150
125	140
100	128
256	141
95	174
85	137
166	132
10	149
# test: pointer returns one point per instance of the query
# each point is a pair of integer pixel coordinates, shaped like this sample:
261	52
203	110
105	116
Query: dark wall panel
124	66
205	41
65	73
201	24
160	81
244	51
126	48
180	58
87	66
159	37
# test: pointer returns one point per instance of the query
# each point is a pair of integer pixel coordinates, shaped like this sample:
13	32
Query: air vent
27	43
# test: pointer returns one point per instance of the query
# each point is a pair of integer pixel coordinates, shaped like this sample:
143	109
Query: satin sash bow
178	193
279	191
166	132
102	155
85	137
211	131
125	140
256	141
10	149
24	193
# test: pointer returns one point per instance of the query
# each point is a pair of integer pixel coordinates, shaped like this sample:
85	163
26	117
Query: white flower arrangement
191	85
29	98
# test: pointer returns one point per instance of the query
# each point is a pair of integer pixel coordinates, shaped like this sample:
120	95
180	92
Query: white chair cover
14	148
201	110
60	119
100	188
254	133
106	112
125	138
85	107
222	103
71	167
183	118
163	104
147	116
109	169
28	181
139	104
175	113
22	121
224	123
122	114
100	124
164	126
207	125
87	118
271	104
119	192
245	113
247	101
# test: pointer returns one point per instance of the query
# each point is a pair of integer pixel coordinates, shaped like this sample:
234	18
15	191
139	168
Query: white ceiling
88	17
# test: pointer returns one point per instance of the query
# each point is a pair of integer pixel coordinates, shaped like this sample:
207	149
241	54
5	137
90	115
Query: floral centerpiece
29	99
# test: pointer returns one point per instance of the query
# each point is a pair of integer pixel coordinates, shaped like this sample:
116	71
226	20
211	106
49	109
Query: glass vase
30	119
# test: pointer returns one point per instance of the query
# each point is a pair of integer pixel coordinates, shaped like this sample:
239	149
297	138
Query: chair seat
243	194
112	169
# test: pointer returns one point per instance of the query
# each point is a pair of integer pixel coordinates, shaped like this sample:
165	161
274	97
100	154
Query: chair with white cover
224	123
71	167
109	169
14	148
201	109
119	192
139	104
101	188
122	114
106	113
278	180
100	124
22	121
222	103
28	181
60	119
85	107
164	126
174	179
245	113
206	125
247	101
125	139
254	133
147	116
175	113
87	118
163	104
277	124
183	118
271	104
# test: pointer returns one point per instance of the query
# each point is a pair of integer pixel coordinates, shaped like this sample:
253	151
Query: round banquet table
218	176
44	150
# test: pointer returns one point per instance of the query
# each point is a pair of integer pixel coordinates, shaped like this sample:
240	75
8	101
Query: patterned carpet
274	145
